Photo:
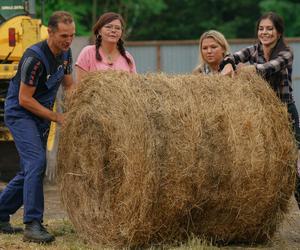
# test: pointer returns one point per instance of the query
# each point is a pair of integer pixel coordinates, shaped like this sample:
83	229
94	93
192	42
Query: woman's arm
80	73
84	61
243	55
229	63
283	60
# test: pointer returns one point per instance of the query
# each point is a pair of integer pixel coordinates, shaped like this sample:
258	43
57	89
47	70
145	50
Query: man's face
62	37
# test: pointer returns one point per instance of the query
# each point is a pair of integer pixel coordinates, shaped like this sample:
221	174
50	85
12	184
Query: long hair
280	45
275	19
103	20
279	26
219	38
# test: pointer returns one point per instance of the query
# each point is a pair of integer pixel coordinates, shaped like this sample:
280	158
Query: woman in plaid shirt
272	59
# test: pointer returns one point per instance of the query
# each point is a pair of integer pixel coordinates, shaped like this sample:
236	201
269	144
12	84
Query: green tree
131	10
79	10
188	19
289	10
180	19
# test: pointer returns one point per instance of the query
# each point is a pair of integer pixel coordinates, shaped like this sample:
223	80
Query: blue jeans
296	126
27	186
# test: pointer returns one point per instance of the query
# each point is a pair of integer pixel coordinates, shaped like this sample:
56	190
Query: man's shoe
7	228
35	232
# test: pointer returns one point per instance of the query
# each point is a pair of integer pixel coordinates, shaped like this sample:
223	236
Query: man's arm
28	102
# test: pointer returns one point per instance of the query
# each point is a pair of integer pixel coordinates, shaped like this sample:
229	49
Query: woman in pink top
108	53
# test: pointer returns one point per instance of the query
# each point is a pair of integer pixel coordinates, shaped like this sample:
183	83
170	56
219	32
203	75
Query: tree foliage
289	9
180	19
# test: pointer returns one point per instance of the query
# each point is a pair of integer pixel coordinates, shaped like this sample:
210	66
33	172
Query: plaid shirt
279	69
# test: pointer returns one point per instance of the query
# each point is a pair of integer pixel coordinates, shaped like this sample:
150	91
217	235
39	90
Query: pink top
87	61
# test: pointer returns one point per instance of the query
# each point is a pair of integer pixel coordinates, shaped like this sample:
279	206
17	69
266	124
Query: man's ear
49	31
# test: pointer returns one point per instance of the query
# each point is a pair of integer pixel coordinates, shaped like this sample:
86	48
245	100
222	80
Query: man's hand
59	118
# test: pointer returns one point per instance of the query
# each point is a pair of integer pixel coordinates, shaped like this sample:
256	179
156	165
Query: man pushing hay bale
151	159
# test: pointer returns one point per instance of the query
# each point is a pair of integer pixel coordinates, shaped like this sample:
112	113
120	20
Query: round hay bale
151	159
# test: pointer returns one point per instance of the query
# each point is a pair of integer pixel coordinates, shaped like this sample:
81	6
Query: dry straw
153	159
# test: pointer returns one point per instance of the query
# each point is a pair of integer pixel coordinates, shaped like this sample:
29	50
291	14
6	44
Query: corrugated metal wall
182	56
296	72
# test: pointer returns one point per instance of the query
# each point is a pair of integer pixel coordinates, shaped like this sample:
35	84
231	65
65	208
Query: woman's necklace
110	57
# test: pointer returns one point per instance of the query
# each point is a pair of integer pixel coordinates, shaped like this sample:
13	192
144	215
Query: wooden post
158	57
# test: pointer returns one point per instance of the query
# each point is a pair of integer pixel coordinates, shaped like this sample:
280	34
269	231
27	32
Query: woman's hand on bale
248	69
228	70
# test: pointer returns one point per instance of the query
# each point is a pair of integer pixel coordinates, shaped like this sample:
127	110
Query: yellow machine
18	31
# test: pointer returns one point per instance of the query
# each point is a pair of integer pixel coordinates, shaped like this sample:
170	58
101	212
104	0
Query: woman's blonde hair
219	38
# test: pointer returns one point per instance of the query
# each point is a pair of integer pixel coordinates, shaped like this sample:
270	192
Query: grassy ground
67	239
288	237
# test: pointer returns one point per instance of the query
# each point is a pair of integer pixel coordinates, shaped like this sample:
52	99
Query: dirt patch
290	230
53	207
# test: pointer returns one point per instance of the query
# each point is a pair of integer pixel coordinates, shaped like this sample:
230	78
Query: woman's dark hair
278	23
103	20
276	20
279	26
